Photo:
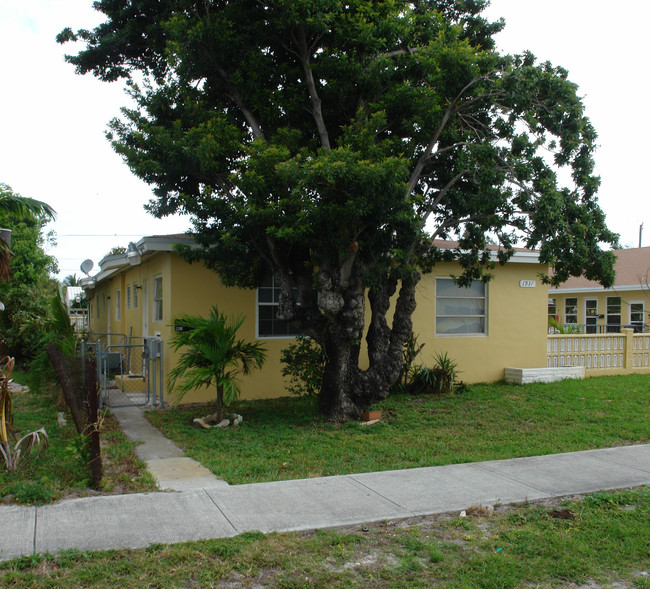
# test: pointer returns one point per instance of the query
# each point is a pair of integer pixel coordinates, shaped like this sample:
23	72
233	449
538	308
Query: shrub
437	380
304	362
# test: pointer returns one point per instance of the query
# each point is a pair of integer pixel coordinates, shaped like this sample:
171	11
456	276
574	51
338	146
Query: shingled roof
632	272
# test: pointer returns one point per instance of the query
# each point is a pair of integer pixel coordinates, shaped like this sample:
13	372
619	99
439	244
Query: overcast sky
53	122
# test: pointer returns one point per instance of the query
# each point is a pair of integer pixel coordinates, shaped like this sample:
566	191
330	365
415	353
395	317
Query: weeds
61	471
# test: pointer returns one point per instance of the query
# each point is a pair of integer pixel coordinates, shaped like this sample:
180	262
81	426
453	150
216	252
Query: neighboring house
484	328
584	306
75	300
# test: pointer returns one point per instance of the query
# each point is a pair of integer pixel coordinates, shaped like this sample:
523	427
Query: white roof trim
596	289
164	244
110	265
522	258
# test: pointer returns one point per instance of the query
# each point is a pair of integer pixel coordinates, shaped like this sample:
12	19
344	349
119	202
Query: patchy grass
593	542
287	439
59	471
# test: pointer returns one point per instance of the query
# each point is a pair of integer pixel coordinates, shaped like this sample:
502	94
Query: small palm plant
214	356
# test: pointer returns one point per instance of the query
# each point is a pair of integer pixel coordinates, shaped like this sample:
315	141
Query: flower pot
371	415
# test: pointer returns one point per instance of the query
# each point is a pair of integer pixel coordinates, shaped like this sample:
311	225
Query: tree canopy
331	143
27	293
12	205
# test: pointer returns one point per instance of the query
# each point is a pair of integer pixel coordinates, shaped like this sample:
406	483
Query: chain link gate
130	373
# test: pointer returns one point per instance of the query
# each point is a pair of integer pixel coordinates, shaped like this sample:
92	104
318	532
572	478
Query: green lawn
287	439
601	540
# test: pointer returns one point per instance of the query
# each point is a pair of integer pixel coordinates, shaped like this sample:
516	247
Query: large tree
11	206
26	295
331	142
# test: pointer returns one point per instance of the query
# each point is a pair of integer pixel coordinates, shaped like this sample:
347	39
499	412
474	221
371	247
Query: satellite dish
87	266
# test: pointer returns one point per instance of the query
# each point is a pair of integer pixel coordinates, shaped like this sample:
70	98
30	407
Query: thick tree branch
453	223
287	305
452	109
441	194
317	111
251	119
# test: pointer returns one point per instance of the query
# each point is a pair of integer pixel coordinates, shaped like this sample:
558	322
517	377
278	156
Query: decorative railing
588	329
609	351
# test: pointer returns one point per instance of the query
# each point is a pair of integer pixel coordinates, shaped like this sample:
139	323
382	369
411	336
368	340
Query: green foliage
288	140
212	356
60	328
410	352
334	142
63	469
13	204
32	492
117	250
56	328
437	380
71	280
304	362
422	381
567	328
26	294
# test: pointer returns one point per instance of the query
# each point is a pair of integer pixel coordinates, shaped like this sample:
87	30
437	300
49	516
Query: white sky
53	121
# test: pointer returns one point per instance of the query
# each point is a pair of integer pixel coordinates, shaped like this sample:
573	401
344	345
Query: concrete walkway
164	459
202	506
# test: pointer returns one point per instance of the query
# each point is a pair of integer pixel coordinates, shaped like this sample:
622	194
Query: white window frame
552	301
630	320
611	327
157	298
591	327
135	295
275	289
128	296
572	315
483	316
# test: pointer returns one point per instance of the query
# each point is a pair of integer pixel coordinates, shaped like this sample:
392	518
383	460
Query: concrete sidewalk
206	507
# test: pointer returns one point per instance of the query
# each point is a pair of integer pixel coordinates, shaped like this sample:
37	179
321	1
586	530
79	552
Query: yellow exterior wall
516	329
98	314
194	290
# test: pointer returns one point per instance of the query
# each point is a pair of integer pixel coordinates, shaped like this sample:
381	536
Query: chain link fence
129	369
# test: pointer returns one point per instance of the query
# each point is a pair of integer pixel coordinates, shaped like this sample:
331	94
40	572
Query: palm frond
211	356
14	204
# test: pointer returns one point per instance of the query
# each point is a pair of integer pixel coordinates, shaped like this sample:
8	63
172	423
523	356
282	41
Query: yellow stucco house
484	328
584	306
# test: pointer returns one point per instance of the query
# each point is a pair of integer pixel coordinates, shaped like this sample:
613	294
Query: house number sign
527	284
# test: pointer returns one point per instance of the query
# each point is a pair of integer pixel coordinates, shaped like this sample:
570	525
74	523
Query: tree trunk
347	390
219	403
338	399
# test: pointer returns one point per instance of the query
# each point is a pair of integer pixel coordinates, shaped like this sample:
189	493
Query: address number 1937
527	284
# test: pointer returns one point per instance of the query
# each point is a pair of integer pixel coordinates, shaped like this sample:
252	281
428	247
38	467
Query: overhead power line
98	235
